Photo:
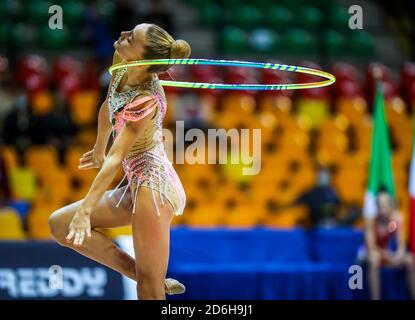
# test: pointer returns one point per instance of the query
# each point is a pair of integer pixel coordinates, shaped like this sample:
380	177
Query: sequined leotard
146	164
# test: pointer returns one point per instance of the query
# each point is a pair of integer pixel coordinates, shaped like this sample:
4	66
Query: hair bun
180	49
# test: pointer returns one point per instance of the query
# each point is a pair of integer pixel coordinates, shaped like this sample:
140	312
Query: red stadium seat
412	96
208	74
70	85
35	83
305	78
379	72
348	89
175	73
347	82
4	64
90	76
269	76
408	82
202	73
408	71
63	67
31	65
344	71
241	75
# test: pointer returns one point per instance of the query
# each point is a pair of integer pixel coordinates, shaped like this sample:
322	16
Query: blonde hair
161	45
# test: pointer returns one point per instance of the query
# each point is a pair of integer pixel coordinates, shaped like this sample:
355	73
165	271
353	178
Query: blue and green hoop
330	79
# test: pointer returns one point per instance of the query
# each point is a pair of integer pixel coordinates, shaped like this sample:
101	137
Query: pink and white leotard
146	164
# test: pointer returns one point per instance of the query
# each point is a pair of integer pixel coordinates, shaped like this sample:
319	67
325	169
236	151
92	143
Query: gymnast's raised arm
95	158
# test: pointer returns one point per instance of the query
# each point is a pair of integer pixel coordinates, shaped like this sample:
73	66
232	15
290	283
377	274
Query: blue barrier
26	273
260	263
267	263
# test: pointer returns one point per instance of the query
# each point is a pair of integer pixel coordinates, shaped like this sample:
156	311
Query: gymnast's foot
173	286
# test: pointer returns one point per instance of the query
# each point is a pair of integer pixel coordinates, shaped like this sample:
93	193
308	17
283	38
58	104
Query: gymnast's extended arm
95	158
104	124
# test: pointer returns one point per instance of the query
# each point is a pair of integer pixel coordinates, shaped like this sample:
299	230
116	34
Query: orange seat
114	233
86	138
10	156
355	108
337	124
23	183
206	216
336	143
42	103
315	110
244	216
279	105
40	158
351	192
11	225
294	141
55	187
303	180
37	221
72	157
351	180
395	109
288	218
403	132
227	120
84	107
269	123
235	102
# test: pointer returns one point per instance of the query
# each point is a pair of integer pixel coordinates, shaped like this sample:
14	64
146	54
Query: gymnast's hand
80	226
91	160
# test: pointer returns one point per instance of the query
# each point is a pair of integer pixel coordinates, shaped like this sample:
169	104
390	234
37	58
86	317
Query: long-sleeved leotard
146	164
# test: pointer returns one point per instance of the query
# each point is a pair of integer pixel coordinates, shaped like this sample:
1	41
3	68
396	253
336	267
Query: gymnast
132	113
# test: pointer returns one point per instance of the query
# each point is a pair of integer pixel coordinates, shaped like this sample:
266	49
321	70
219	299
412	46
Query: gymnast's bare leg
99	247
151	235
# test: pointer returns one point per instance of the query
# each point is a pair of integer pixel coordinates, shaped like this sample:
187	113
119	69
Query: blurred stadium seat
12	227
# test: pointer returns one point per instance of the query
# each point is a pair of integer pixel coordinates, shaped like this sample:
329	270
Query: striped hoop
330	79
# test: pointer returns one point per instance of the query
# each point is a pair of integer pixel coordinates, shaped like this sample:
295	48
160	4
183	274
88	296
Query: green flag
380	171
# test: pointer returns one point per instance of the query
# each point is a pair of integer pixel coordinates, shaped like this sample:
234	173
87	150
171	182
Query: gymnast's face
130	44
385	204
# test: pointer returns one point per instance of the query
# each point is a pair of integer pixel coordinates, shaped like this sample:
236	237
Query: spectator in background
41	123
98	31
160	16
321	201
25	124
62	128
325	209
124	17
16	128
7	99
5	193
7	89
380	230
53	125
324	206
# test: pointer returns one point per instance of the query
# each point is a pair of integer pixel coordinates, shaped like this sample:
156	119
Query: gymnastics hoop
330	79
